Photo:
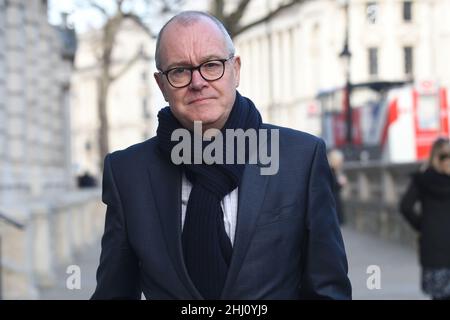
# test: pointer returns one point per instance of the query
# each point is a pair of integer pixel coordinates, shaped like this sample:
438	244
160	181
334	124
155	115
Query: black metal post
348	113
346	55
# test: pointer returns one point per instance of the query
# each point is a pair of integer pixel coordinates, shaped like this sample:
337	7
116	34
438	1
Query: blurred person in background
86	180
431	189
336	161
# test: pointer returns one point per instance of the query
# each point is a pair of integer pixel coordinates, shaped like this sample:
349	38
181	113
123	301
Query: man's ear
237	69
160	81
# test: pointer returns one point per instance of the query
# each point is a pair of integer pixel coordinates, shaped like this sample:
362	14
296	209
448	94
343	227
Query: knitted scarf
207	248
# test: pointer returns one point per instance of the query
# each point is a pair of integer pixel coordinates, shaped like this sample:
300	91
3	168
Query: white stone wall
36	182
53	233
32	138
2	86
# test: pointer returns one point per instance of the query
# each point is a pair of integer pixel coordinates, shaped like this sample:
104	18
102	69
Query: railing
371	199
49	233
16	225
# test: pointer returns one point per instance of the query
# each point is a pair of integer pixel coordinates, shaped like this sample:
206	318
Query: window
144	76
408	60
428	112
407	11
145	111
372	12
373	61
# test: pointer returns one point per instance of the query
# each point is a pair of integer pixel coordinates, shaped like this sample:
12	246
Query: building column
32	78
265	81
295	57
286	66
251	56
2	91
14	178
42	115
55	178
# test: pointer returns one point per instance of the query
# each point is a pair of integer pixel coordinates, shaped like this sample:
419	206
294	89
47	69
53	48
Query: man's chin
207	123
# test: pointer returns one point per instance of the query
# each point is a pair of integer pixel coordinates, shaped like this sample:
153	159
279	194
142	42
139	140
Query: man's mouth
199	100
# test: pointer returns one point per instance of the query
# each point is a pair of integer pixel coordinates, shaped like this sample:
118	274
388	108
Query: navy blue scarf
207	248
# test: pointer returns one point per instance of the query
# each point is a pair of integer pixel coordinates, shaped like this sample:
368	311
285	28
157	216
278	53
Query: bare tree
115	12
233	19
113	17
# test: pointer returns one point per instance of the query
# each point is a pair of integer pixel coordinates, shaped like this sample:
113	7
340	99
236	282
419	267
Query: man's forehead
202	30
181	42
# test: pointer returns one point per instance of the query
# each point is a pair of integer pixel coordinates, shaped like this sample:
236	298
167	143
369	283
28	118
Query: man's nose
198	82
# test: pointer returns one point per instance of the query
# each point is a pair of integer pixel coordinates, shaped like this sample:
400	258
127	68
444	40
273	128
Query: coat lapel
165	180
251	196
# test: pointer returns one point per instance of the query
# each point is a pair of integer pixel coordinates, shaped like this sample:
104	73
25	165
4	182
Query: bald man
186	222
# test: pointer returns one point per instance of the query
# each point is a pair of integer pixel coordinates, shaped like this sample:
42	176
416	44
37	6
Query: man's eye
211	65
178	71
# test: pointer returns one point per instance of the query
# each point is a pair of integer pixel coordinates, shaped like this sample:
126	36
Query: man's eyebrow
178	64
188	63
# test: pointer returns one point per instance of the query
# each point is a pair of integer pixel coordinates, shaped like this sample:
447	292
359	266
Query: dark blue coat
288	243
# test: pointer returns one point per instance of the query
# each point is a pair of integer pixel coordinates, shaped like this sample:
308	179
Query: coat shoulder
292	137
135	155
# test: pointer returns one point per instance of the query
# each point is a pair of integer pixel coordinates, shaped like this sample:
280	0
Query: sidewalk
400	272
88	263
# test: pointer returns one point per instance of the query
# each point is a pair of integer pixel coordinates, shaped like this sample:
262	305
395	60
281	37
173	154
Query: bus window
428	112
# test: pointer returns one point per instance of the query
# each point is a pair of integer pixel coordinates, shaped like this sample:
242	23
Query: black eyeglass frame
443	156
193	68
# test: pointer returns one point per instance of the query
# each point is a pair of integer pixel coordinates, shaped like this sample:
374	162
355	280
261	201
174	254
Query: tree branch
236	16
95	5
168	6
218	8
267	17
119	4
140	23
138	55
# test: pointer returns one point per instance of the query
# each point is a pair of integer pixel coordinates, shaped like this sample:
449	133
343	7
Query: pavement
88	262
394	272
397	264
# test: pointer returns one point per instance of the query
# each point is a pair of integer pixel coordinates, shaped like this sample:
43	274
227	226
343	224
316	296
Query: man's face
207	101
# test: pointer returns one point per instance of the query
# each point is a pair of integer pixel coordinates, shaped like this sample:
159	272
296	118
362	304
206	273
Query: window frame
373	61
407	15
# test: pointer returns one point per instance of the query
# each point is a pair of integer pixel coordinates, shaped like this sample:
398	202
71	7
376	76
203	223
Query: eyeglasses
211	70
444	156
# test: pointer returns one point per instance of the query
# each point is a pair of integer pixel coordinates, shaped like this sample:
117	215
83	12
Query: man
221	230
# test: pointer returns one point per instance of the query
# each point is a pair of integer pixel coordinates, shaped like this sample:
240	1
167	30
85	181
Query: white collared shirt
229	206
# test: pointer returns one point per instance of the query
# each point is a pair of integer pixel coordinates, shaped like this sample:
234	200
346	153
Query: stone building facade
42	214
294	56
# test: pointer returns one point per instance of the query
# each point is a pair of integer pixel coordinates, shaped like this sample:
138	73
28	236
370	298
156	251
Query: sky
81	19
84	19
